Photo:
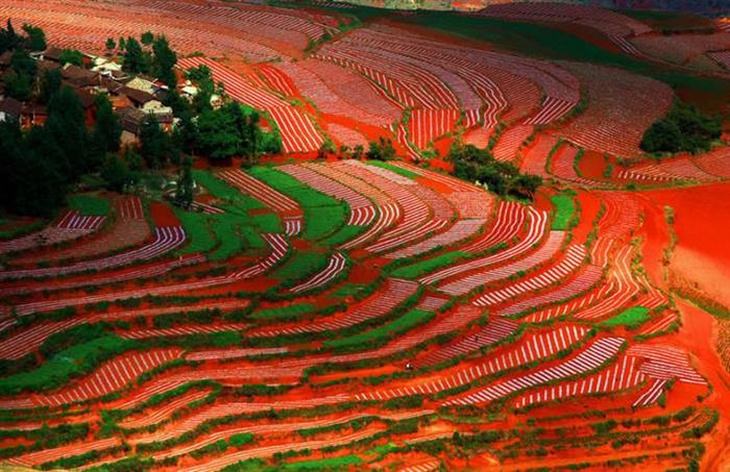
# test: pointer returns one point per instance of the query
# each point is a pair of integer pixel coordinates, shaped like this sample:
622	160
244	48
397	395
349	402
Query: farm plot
536	231
622	375
165	239
547	251
594	356
71	225
323	214
534	348
130	229
629	102
574	258
393	294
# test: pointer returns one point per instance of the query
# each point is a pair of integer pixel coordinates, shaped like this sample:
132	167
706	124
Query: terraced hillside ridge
457	256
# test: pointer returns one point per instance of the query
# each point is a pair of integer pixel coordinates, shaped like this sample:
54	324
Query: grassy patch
344	234
224	235
89	205
300	266
199	234
332	463
323	215
392	168
71	362
285	312
349	290
229	196
406	322
564	210
631	318
424	267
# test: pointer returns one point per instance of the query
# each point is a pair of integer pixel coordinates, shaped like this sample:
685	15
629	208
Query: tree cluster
381	150
150	55
231	130
503	178
48	160
684	129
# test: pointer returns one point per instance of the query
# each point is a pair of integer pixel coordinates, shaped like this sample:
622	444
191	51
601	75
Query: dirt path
594	458
698	335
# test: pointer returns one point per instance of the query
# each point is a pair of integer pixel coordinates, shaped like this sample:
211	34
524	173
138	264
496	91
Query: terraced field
299	335
353	314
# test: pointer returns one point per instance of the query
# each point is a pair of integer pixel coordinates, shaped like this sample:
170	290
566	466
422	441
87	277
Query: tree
381	150
184	192
122	43
147	38
36	40
154	146
218	134
358	151
22	63
164	61
662	136
34	187
72	56
50	84
135	59
107	129
110	45
503	178
202	77
684	128
18	86
8	38
116	173
66	131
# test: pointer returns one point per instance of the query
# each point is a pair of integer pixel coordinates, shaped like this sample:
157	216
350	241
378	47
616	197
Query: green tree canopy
36	38
164	61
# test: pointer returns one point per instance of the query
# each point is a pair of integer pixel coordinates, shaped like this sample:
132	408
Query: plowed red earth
703	254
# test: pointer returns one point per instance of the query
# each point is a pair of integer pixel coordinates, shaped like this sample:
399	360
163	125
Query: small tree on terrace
9	39
147	38
381	150
218	132
110	45
72	56
107	130
154	143
164	61
50	84
184	192
36	40
116	173
135	59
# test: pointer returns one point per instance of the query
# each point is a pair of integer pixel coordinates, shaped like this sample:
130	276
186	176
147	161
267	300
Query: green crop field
392	168
631	318
323	214
230	196
89	205
402	324
71	362
424	267
284	312
344	234
300	266
564	211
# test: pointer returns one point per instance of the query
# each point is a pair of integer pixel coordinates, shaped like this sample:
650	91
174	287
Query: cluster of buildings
133	98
